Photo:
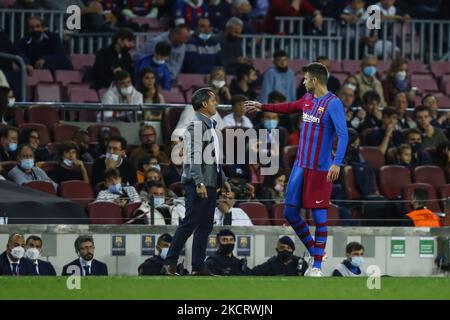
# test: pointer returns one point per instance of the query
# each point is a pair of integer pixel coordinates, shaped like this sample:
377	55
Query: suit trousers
199	220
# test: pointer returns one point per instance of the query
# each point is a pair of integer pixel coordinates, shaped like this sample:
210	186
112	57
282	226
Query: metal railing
23	71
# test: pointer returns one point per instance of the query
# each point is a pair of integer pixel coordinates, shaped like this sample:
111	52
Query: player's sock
300	227
321	234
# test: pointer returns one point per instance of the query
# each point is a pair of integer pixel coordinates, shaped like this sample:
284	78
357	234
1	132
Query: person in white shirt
237	118
121	91
226	215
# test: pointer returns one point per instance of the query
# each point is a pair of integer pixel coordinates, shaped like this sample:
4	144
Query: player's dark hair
353	246
318	71
200	96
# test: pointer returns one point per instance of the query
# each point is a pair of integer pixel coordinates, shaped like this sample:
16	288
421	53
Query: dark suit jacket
46	268
97	268
26	267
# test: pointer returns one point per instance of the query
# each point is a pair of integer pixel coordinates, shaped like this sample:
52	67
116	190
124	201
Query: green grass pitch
223	288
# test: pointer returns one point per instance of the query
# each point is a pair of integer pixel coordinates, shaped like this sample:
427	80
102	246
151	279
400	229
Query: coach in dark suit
201	179
88	266
12	261
34	250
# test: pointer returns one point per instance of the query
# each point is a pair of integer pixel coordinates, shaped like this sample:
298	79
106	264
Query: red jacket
283	8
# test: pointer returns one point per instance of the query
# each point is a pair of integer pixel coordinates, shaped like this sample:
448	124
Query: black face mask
416	147
282	69
36	35
285	256
226	248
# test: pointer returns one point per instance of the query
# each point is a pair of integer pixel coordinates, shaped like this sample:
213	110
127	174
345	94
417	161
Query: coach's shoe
169	270
314	272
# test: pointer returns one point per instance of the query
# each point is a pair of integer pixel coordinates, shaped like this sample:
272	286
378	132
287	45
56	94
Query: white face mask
158	201
126	91
158	62
11	102
32	253
218	83
68	162
18	252
164	252
115	157
400	76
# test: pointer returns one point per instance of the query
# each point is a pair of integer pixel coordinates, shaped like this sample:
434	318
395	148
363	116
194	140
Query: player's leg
292	208
321	235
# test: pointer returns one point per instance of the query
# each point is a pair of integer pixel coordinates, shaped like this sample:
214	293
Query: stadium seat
88	166
48	166
7	166
278	215
190	80
416	67
64	132
81	95
65	77
391	155
290	153
173	96
177	188
105	213
333	215
439	68
408	191
297	64
257	212
443	102
424	82
262	64
351	191
48	92
19	116
94	129
43	186
392	179
364	135
46	115
76	86
433	175
383	66
373	156
44	135
130	209
351	66
77	191
39	75
80	61
335	66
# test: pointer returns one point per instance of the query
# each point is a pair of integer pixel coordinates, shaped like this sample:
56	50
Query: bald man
12	261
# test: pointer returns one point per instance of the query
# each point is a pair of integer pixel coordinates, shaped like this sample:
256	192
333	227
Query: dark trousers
198	220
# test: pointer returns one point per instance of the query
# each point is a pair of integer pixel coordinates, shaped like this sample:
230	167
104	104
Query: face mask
400	76
18	252
370	71
12	147
285	256
115	157
270	124
11	102
164	252
156	166
68	162
27	164
204	36
350	86
158	62
126	91
226	248
282	69
416	147
279	187
357	261
218	83
158	201
32	253
116	189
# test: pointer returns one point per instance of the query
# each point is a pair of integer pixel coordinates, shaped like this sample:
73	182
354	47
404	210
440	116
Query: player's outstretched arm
287	107
252	106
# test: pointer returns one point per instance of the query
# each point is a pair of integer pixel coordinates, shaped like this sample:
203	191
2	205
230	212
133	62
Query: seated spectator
113	58
352	83
188	12
223	262
226	215
421	216
443	156
25	171
203	51
175	170
367	80
432	136
7	102
150	93
239	178
9	137
217	80
400	104
268	142
115	192
31	136
280	78
101	147
115	157
145	163
386	136
440	120
420	157
156	62
42	49
351	267
274	188
285	263
353	114
177	38
12	260
85	264
397	80
294	8
240	9
33	246
155	175
333	83
121	91
70	168
237	118
403	156
284	119
82	139
246	76
147	135
372	115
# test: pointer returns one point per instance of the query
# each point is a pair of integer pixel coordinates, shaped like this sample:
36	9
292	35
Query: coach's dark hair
34	238
123	142
200	96
353	246
318	71
82	239
388	112
123	33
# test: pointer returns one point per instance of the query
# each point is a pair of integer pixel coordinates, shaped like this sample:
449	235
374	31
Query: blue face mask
357	261
116	188
68	162
156	166
270	124
12	147
370	71
27	164
158	201
204	36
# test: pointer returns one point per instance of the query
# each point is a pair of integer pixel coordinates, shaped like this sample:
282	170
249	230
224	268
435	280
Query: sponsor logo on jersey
310	118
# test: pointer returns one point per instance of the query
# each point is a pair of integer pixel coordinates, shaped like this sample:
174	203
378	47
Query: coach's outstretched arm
285	107
337	115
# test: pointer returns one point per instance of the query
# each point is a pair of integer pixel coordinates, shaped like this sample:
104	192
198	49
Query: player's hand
252	106
333	173
202	192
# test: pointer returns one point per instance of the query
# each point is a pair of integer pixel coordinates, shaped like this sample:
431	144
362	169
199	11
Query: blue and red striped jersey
323	118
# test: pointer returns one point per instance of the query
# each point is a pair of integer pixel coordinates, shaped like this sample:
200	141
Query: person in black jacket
12	261
34	249
85	264
223	262
285	263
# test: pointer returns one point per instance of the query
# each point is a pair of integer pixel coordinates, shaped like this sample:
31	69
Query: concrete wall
59	239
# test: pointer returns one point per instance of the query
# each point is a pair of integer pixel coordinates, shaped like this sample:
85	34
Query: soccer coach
201	180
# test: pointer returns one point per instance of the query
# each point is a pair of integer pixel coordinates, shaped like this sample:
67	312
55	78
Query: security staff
223	262
152	266
285	263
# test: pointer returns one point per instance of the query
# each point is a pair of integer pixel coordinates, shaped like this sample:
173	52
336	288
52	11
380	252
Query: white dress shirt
85	263
230	121
238	218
